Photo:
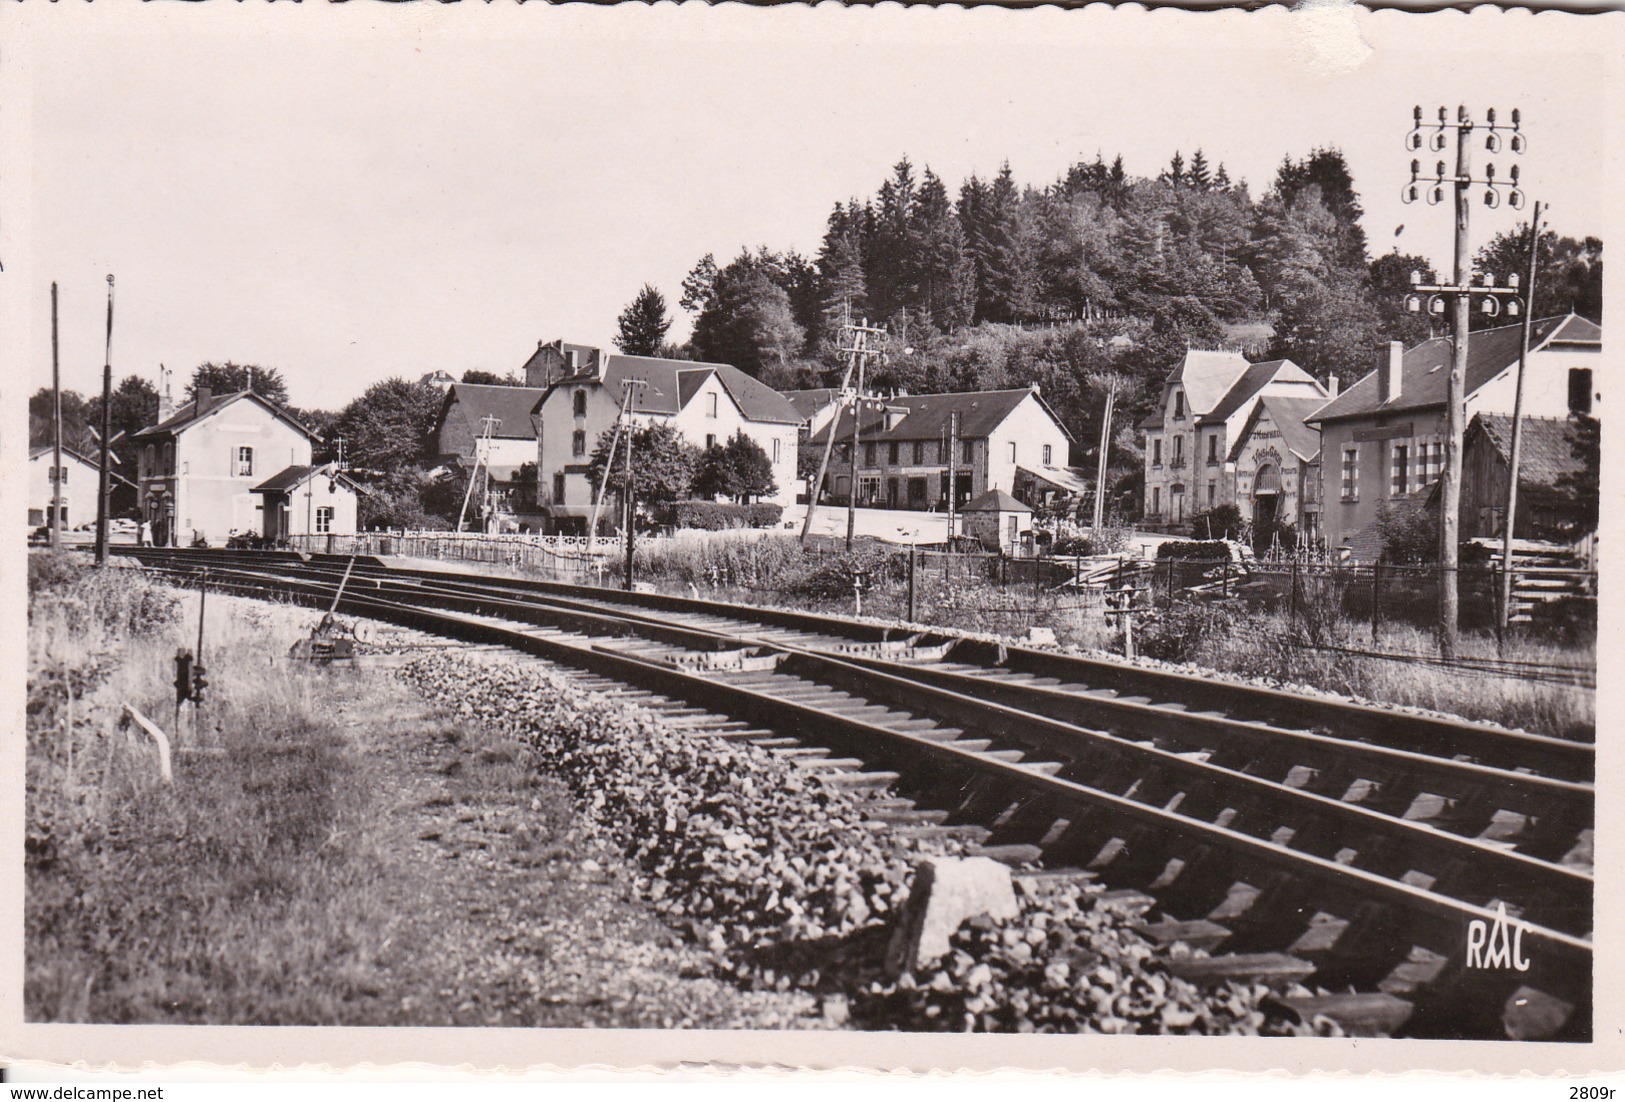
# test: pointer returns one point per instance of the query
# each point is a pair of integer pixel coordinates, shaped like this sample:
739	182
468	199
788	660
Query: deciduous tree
664	465
228	378
738	469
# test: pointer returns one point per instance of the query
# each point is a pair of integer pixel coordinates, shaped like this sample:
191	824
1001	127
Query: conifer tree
1198	175
641	328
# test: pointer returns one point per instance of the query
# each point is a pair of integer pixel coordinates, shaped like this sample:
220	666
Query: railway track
1296	839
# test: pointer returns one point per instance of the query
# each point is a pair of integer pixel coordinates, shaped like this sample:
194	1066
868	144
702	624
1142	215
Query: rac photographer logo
1497	944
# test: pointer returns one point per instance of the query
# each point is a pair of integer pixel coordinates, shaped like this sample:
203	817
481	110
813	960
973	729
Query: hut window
245	461
324	518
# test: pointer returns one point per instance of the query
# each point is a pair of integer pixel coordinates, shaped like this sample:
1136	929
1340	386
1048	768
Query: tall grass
1248	641
208	899
1267	645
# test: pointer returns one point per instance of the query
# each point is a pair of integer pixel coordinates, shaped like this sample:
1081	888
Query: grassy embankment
1235	639
330	851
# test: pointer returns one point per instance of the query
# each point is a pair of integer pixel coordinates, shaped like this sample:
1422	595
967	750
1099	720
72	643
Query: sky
348	194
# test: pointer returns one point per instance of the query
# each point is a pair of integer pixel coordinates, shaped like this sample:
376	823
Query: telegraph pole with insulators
1459	296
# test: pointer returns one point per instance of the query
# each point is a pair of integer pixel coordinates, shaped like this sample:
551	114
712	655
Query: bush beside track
783	877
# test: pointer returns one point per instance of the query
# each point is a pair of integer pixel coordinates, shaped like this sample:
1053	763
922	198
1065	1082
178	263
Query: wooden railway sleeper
1204	877
1376	940
1029	823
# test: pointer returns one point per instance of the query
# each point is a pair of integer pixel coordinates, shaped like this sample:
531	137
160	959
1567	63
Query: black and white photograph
915	538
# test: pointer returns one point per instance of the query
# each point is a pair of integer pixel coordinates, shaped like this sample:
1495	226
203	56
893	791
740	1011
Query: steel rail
1431	919
1545	888
1344	720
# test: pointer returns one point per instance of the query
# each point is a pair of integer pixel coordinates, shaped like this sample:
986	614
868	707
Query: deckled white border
1333	37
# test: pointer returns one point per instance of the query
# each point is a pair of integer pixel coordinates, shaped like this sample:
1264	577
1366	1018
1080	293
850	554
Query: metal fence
1378	593
561	557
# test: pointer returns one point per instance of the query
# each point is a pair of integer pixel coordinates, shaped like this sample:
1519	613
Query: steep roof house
198	466
80	476
1275	462
1206	399
816	407
707	403
1383	438
1003	435
306	500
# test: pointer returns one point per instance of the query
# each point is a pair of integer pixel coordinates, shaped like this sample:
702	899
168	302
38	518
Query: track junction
1410	863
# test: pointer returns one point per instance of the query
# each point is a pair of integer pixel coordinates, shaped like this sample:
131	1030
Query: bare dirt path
504	912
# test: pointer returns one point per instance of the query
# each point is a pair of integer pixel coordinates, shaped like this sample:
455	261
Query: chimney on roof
166	400
1391	373
1331	386
204	394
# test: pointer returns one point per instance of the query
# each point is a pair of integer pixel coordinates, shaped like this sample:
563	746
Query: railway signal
183	677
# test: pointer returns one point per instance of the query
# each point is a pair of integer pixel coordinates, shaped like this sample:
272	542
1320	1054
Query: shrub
1408	537
1195	549
717	516
1073	545
1181	632
833	577
766	562
1220	522
51	570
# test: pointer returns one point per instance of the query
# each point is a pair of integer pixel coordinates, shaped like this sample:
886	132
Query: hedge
716	516
1194	549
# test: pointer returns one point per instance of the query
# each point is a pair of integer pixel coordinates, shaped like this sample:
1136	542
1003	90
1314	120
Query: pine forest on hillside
1098	280
1095	280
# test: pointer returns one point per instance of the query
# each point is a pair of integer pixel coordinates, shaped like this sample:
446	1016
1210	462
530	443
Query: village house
81	482
1001	440
1547	460
816	407
305	500
1206	399
1382	440
706	403
1276	465
496	424
553	360
199	465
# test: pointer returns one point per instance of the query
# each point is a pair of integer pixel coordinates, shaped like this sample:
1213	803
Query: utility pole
1100	467
857	352
56	432
106	481
953	474
1517	428
631	503
621	421
857	433
1458	294
488	425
